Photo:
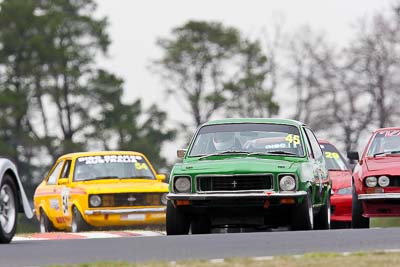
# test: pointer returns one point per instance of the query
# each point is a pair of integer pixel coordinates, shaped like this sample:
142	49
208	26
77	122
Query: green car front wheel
178	223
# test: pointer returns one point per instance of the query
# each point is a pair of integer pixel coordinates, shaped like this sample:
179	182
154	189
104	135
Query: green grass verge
385	222
360	259
25	225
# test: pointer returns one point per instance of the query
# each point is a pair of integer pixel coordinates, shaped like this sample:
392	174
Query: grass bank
25	225
385	222
361	259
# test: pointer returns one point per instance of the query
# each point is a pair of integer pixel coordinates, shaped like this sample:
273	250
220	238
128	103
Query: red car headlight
383	181
344	191
371	181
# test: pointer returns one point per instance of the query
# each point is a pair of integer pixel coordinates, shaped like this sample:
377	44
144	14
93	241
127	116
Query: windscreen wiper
138	177
386	153
257	154
102	178
280	152
224	153
380	153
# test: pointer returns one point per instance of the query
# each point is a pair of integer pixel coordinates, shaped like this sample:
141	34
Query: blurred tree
18	36
306	74
128	126
53	99
328	92
47	54
73	38
196	64
249	95
375	55
350	108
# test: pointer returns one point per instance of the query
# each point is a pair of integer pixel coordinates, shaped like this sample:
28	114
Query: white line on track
84	235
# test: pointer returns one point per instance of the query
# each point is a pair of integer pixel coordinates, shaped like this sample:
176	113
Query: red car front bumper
341	207
381	204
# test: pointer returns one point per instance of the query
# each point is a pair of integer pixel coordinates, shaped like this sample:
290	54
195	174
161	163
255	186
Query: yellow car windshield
112	167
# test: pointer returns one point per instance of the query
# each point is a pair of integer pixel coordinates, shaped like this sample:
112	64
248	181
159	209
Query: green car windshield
262	138
112	167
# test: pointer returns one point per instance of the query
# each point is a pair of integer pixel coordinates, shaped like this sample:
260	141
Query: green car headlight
287	183
182	184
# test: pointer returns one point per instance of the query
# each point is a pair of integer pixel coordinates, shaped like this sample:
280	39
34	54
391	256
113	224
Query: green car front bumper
235	195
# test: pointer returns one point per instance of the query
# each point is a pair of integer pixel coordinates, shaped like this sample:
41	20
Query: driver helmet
224	140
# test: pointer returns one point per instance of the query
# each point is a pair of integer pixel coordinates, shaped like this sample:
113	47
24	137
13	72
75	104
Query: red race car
376	178
340	175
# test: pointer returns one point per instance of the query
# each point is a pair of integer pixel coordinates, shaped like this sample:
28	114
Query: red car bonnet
386	163
340	179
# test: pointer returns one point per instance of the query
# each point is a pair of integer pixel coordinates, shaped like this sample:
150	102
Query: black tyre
201	225
178	222
357	220
45	224
8	209
303	215
78	224
323	219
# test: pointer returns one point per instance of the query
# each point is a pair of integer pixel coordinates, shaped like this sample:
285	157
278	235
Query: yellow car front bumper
125	217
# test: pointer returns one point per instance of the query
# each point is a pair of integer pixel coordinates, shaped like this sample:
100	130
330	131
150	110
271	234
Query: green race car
249	173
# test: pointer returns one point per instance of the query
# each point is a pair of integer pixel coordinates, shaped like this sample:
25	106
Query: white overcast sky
135	26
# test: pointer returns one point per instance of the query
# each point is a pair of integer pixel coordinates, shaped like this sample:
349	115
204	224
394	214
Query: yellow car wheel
78	223
45	224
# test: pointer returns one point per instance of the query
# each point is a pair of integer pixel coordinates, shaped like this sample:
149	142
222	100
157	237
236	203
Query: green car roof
256	120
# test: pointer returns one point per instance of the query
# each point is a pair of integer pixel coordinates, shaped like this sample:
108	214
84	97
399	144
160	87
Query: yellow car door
63	187
51	196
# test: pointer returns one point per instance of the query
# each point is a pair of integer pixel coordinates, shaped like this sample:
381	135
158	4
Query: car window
53	177
66	169
248	138
314	143
387	141
333	159
308	145
112	166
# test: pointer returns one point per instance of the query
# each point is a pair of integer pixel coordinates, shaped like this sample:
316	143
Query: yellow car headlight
164	199
95	200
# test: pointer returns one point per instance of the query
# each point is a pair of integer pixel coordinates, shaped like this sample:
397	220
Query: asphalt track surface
212	246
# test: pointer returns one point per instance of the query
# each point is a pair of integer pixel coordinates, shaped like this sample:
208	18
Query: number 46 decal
293	138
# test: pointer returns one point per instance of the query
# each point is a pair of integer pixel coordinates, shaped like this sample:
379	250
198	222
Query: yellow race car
100	189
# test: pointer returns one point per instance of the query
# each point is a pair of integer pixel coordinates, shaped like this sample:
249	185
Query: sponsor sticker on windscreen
110	159
133	217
